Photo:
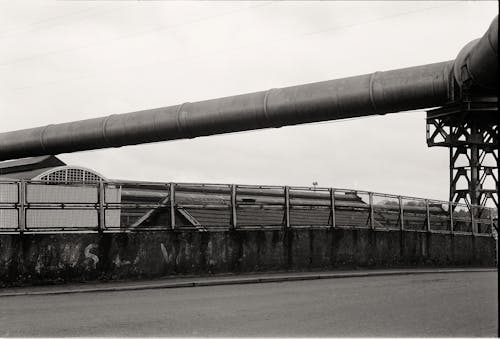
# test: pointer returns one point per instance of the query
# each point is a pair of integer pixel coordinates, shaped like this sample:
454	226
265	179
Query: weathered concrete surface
462	304
51	258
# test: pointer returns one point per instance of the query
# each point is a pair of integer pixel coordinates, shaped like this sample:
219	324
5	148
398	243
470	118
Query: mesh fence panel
210	217
61	218
9	196
318	216
9	193
439	214
310	207
484	227
137	217
260	216
136	205
386	211
68	193
414	214
136	193
352	209
482	217
40	214
9	218
204	205
202	194
260	206
462	221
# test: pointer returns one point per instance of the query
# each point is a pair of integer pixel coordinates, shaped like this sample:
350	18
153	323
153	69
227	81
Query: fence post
101	225
492	224
287	207
450	207
472	220
234	221
332	206
427	216
22	206
401	224
172	205
370	202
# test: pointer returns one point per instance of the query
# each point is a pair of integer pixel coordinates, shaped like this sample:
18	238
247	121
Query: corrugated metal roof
25	161
26	175
28	168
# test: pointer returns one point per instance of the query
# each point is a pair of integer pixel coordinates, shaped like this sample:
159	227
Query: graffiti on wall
91	256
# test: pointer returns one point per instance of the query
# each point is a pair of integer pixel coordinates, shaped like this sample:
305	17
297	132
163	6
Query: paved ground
451	304
177	281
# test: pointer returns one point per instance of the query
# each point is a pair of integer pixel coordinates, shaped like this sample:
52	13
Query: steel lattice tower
469	128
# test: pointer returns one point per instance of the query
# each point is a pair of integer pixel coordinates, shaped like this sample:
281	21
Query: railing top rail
193	184
66	182
134	182
347	190
260	186
434	201
311	189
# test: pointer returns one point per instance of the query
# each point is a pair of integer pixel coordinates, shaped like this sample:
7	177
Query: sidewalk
215	280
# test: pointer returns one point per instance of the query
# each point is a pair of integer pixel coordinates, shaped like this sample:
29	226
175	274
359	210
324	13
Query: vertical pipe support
450	208
332	207
287	207
22	206
492	224
234	221
101	191
401	223
370	203
427	216
473	224
172	205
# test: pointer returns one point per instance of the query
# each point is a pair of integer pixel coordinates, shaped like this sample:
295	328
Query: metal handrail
289	198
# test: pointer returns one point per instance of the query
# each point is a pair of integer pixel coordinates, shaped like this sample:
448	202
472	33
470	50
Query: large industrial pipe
378	93
477	62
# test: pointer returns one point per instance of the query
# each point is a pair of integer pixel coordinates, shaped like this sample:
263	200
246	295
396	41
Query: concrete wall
48	258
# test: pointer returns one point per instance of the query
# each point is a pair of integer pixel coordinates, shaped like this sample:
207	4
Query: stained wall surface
53	258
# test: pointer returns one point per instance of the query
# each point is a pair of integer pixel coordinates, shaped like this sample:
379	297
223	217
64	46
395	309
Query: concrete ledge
217	281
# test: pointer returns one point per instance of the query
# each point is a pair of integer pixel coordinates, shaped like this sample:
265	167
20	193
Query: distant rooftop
28	168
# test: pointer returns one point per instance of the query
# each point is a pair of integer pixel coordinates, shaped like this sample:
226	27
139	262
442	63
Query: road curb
240	281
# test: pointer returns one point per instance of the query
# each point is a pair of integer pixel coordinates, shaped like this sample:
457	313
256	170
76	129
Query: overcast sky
70	60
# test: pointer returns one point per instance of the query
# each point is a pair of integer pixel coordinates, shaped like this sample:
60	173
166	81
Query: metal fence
30	206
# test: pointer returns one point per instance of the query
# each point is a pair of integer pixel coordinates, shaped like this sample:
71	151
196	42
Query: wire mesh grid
9	192
57	218
9	218
462	218
386	211
9	198
260	206
414	214
74	193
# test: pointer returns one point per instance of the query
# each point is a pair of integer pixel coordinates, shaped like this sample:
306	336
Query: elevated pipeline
377	93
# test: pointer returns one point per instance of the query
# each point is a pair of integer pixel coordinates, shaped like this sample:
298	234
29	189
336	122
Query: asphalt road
452	304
